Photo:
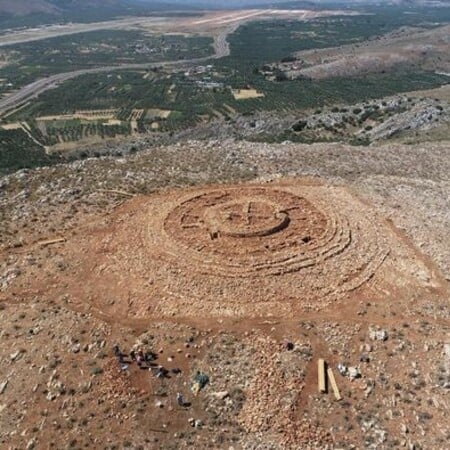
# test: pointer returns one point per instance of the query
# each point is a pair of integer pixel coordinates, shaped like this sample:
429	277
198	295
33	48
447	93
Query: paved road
221	44
36	88
12	37
32	90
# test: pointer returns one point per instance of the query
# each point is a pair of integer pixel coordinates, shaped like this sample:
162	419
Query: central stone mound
244	218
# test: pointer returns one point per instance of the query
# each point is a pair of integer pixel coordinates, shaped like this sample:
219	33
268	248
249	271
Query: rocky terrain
405	47
409	118
247	381
403	117
266	280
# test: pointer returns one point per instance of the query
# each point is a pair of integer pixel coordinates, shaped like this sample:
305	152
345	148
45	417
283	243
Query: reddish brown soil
244	267
238	251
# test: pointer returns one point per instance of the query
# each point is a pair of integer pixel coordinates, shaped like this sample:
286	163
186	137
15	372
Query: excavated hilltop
245	262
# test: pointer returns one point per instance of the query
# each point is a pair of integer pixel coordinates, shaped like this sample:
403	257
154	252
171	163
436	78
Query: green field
33	60
193	103
18	151
207	94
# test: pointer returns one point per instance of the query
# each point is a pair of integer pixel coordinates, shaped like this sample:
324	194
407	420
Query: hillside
26	7
113	251
223	229
404	47
37	12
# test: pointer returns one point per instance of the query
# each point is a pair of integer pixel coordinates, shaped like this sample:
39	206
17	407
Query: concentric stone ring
253	231
233	250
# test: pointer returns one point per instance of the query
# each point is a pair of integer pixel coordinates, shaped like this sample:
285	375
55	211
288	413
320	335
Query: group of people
144	360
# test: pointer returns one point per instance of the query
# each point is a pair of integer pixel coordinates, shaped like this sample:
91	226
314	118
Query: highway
34	89
37	87
231	21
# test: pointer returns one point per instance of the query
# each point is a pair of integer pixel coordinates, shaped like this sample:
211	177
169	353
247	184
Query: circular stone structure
233	250
241	232
242	218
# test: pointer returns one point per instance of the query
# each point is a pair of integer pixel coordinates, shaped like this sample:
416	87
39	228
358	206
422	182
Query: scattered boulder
378	335
3	386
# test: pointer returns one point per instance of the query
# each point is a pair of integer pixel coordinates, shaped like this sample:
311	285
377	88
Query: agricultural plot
66	131
252	46
245	94
32	60
165	100
154	113
175	102
19	151
81	115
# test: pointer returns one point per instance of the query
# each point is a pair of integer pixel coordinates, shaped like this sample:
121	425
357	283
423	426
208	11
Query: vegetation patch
19	151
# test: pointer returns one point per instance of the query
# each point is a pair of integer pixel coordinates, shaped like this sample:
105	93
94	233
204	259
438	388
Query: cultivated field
81	115
244	94
238	79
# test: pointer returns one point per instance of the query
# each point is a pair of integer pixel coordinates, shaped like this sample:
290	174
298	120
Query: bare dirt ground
229	251
440	93
82	115
217	257
244	94
205	22
407	46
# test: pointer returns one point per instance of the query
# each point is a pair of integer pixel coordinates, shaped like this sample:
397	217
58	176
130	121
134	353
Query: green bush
299	126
